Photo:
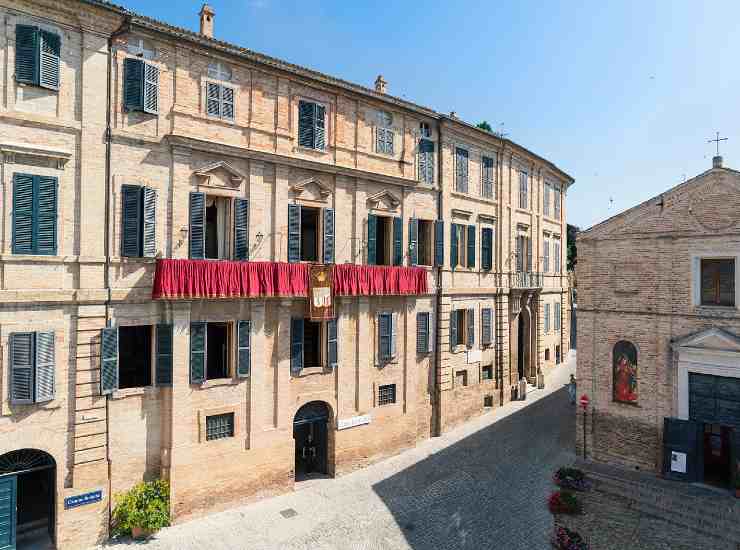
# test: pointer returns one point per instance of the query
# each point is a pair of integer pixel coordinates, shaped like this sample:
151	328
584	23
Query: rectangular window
309	234
219	101
217	351
384	240
487	248
547	317
487	401
523	190
37	57
213	234
486	373
546	255
140	86
312	343
386	394
486	326
557	355
426	161
34	214
547	354
461	319
217	236
219	426
718	282
488	175
32	370
311	125
461	378
387	330
461	170
556	316
556	195
523	253
423	332
138	221
546	200
425	246
458	244
384	141
556	255
135	357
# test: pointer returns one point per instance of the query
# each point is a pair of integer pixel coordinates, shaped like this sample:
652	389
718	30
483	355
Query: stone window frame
205	80
328	123
695	283
201	424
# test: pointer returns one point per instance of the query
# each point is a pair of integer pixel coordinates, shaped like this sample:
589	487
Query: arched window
219	71
624	364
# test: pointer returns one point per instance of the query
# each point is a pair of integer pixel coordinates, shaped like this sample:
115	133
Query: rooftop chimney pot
206	20
380	84
717	161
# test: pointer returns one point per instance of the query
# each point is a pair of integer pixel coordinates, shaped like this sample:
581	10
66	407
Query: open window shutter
519	253
485	328
471	327
545	255
486	238
556	257
198	352
426	161
422	332
26	54
108	360
151	89
21	367
241	229
328	235
227	103
44	380
23	209
305	124
384	336
244	351
331	343
133	84
131	198
149	223
49	63
296	345
213	99
439	243
294	233
372	231
453	245
46	216
453	328
471	246
529	253
394	333
197	226
413	241
320	127
397	241
163	368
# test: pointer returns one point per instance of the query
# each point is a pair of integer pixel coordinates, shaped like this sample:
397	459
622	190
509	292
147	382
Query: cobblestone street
482	486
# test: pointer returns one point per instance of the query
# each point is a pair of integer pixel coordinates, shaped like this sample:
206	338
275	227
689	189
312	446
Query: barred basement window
387	394
488	401
461	378
486	372
219	426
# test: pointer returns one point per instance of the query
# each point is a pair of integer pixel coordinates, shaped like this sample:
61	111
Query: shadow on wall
488	490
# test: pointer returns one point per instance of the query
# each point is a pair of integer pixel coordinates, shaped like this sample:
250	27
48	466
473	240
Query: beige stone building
164	195
658	325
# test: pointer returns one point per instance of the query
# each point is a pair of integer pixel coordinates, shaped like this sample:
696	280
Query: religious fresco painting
625	372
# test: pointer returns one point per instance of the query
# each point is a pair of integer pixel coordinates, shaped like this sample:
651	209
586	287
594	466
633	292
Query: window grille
219	426
387	394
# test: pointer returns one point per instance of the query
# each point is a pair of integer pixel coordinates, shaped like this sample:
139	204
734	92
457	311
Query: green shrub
145	505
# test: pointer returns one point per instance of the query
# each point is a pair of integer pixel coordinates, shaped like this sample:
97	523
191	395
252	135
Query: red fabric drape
225	279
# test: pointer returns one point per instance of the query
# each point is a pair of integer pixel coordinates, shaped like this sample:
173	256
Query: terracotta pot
140	533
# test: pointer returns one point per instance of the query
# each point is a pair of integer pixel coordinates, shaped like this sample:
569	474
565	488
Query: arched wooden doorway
27	499
311	435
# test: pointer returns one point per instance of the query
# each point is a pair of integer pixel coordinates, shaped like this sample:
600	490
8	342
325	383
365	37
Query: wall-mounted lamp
260	236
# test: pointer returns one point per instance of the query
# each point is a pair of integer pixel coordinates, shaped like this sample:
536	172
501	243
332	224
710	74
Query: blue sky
623	95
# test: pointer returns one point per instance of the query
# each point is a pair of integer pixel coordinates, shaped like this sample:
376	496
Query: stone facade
95	145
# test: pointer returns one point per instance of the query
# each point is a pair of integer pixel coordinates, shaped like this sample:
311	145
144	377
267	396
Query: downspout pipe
437	429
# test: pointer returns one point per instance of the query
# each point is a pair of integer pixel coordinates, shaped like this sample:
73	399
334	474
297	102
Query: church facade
659	333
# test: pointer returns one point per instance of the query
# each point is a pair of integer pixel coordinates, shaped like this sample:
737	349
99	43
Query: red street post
584	400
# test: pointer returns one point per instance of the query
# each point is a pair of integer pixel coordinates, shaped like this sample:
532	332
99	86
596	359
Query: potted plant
571	478
565	539
562	502
142	510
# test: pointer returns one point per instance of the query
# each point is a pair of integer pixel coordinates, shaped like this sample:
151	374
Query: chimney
380	84
206	20
717	161
453	114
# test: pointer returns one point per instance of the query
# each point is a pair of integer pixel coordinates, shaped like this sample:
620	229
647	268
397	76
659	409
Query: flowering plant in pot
142	510
562	502
571	478
565	539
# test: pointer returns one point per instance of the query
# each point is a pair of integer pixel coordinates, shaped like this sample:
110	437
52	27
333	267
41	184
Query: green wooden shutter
23	210
413	241
461	170
547	317
213	99
453	328
296	345
294	233
45	220
151	89
470	322
471	246
21	367
227	103
108	360
8	512
26	54
149	222
197	225
545	256
163	368
557	316
486	248
426	161
198	352
439	243
453	245
244	350
133	84
305	124
131	210
422	332
372	245
332	350
397	241
320	127
385	336
328	235
241	229
394	334
486	332
49	62
519	253
529	253
44	385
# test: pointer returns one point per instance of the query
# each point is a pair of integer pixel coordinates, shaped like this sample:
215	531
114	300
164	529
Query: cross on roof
717	140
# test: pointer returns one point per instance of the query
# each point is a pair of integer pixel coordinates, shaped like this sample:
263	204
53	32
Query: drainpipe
437	428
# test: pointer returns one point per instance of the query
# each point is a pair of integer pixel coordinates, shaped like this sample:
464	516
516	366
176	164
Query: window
547	354
426	161
461	378
421	242
462	327
386	394
140	48
556	195
487	401
310	234
718	282
387	334
138	221
384	240
462	245
32	377
219	426
486	326
486	238
461	170
546	314
425	130
557	355
37	57
423	332
217	351
213	235
546	255
140	86
556	316
311	125
135	357
219	101
523	190
210	350
556	255
219	71
488	174
384	133
523	253
313	344
546	200
34	214
486	373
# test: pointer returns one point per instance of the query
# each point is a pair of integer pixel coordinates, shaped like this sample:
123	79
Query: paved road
482	486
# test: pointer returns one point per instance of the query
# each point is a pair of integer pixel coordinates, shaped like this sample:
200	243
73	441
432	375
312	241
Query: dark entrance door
520	347
310	432
717	453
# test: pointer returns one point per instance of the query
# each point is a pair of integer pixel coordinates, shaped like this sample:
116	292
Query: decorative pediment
383	200
715	338
312	189
22	153
460	213
220	174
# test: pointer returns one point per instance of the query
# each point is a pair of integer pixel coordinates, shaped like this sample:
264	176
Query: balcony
525	280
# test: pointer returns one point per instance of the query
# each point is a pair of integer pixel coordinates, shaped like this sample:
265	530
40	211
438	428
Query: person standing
572	389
